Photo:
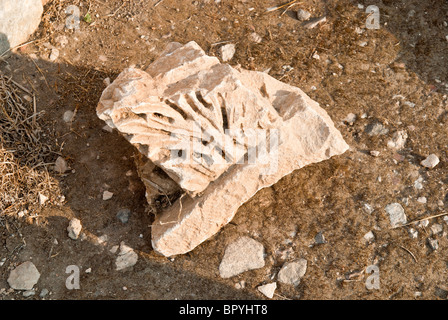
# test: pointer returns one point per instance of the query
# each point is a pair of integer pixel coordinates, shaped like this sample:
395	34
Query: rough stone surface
268	289
369	237
292	272
433	244
158	111
303	15
107	195
227	51
126	257
24	277
431	161
396	214
74	229
242	255
16	23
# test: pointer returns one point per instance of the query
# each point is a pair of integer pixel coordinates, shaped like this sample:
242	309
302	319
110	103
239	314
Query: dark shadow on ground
421	29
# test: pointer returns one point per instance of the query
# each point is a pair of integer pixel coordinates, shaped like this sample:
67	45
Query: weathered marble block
220	133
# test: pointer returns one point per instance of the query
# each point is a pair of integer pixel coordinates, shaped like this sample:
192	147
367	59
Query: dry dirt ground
396	75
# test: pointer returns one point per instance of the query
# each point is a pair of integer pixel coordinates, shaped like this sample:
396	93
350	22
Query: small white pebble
433	243
113	249
107	195
369	236
430	162
374	153
421	200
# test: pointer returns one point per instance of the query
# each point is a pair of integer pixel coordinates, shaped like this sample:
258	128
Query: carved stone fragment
219	133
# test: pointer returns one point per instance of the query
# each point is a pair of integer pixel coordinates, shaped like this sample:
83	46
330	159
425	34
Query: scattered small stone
418	183
319	238
445	218
107	195
242	255
417	294
398	140
42	199
369	237
303	15
413	233
43	293
409	104
433	244
396	214
74	228
362	44
255	37
316	56
89	270
436	228
421	200
292	272
374	153
68	116
60	166
2	262
350	119
430	162
423	223
114	249
54	54
227	52
24	277
376	129
368	208
29	293
102	58
268	289
126	258
440	203
123	215
312	23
